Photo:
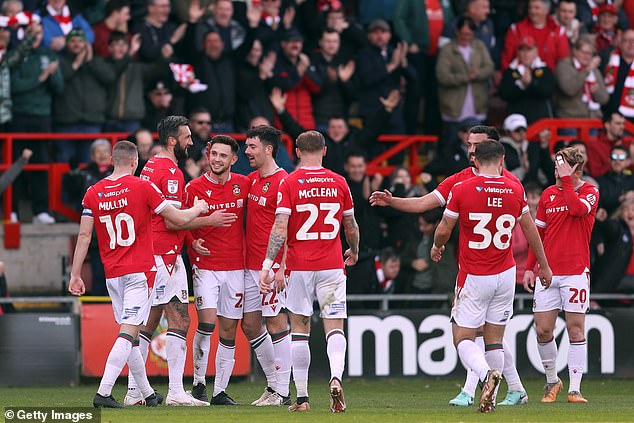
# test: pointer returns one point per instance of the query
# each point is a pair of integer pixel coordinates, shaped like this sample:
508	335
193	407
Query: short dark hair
198	110
124	152
117	36
489	151
620	148
608	116
465	20
355	153
388	253
533	187
310	142
490	131
328	31
267	135
169	127
226	140
115	6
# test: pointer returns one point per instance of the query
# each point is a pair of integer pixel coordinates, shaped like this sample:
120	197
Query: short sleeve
540	219
453	203
444	189
283	198
523	202
189	195
87	204
348	203
155	198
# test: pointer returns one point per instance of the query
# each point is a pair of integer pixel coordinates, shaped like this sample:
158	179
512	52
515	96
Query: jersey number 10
115	231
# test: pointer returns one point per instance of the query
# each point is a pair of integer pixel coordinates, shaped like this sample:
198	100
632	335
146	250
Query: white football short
570	293
327	286
484	299
270	304
171	280
131	297
220	289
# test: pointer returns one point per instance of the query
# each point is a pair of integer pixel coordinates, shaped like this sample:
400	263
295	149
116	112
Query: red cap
607	8
528	41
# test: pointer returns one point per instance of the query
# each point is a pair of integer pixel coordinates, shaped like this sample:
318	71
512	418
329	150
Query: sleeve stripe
348	212
283	210
540	223
176	204
587	204
86	212
525	210
451	213
439	196
161	207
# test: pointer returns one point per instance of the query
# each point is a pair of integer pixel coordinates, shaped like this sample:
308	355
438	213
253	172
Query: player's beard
180	152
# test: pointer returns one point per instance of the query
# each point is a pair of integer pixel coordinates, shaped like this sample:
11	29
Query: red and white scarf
626	106
385	283
21	19
64	19
591	80
186	78
271	20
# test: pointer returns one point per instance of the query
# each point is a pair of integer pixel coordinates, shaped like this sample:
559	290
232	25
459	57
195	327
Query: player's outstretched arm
441	236
276	241
180	218
408	205
76	284
218	219
351	232
535	242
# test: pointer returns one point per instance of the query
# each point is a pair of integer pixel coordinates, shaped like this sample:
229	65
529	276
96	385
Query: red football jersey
166	175
225	244
566	237
488	208
316	199
443	190
122	210
261	215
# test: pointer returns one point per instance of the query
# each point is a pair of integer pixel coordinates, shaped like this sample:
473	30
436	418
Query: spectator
618	80
351	35
144	141
463	71
34	82
117	18
81	108
221	21
420	25
200	125
296	76
549	37
340	138
78	180
361	186
614	269
9	60
374	275
126	100
454	157
158	34
58	20
368	11
515	145
380	69
180	8
565	12
583	150
528	83
16	168
605	30
337	88
541	167
599	158
275	22
588	13
421	275
581	88
615	184
160	102
479	11
252	95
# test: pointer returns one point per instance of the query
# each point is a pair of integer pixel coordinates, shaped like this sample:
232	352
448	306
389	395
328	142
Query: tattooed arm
351	231
276	241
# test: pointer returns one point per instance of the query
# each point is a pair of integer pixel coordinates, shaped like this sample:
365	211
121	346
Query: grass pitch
378	400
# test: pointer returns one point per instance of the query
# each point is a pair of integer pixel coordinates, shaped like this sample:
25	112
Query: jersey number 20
303	233
115	231
504	225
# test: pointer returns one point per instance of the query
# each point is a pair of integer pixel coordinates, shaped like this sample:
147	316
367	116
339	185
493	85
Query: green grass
379	400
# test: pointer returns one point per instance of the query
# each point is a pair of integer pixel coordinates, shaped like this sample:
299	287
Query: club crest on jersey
591	198
172	186
479	189
236	189
552	197
266	186
208	193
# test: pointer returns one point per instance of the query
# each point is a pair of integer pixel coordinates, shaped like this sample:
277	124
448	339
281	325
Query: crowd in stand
352	70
